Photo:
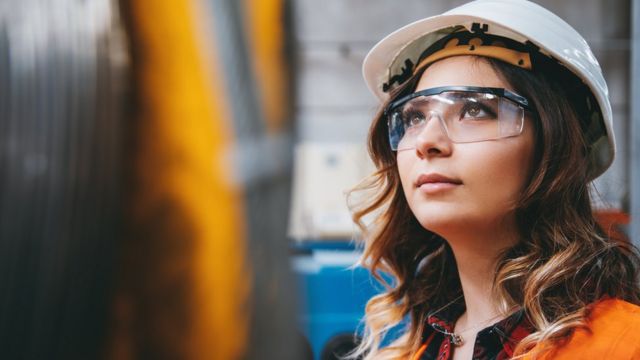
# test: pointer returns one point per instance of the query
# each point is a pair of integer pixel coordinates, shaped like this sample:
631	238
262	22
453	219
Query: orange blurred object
611	220
184	282
265	30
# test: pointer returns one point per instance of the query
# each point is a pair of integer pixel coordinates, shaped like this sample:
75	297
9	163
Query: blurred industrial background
173	173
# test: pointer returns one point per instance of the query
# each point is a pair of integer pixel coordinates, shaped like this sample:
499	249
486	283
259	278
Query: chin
442	217
441	223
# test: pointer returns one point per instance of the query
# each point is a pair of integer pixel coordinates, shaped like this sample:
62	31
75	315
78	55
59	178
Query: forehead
461	71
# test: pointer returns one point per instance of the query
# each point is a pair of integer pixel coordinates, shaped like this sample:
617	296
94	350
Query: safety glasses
466	113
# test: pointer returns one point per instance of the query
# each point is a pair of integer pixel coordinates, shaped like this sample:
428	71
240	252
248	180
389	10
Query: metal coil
62	70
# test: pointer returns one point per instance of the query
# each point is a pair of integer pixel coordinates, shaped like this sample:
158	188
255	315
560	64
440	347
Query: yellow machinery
131	228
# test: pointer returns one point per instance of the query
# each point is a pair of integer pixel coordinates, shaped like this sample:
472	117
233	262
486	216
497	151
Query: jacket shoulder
613	333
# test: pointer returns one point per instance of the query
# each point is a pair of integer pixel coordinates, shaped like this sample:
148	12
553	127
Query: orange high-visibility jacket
613	334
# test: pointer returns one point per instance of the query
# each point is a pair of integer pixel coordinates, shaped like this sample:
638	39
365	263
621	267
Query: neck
476	253
476	277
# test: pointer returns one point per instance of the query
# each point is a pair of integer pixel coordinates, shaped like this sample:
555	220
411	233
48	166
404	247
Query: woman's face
488	176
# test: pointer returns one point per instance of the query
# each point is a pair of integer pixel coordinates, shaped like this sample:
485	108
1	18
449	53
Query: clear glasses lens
464	117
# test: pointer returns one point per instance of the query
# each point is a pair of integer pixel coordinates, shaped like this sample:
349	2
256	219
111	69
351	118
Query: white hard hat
519	20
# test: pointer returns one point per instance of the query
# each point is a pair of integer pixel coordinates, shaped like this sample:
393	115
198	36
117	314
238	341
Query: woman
494	120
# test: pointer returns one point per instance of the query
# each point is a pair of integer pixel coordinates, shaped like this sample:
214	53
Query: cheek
405	165
499	176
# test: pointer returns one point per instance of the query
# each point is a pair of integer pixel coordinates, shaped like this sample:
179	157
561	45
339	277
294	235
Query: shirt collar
508	331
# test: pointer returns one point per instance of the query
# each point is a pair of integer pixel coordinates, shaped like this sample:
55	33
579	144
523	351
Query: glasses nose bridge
427	133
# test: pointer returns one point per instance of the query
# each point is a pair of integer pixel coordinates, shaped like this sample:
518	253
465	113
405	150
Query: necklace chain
476	325
445	306
455	337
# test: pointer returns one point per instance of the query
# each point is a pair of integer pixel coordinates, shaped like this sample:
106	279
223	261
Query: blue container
332	295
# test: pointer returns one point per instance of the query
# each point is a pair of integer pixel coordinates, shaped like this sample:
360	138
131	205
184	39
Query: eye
413	118
474	110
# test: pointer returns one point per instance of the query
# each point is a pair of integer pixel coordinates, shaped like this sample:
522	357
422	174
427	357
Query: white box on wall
323	174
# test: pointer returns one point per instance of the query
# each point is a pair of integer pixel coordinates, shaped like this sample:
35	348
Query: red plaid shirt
495	342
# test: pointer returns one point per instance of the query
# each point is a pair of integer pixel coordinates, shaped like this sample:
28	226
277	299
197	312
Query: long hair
564	262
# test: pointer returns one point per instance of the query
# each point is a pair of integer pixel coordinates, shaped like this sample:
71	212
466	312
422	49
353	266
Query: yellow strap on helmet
476	47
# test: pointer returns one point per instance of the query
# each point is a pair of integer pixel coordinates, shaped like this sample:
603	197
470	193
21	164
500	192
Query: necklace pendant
456	340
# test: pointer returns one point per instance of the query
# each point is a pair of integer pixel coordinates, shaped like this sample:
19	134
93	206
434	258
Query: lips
435	184
436	179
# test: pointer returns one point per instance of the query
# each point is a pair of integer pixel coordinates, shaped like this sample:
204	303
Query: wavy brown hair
564	262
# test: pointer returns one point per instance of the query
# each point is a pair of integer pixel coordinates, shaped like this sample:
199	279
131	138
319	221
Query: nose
432	138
